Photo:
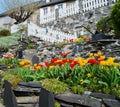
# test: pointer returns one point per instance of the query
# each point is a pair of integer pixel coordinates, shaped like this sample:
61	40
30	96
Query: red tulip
92	61
47	64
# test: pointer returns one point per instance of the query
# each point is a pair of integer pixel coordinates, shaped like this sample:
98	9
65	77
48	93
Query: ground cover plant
6	42
96	73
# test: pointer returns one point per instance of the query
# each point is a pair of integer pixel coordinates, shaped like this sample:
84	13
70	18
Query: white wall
5	21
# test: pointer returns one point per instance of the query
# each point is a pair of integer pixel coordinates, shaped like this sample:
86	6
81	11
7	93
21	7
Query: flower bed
96	73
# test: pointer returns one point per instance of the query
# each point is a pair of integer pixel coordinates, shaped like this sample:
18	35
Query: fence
92	4
48	34
73	9
47	18
68	11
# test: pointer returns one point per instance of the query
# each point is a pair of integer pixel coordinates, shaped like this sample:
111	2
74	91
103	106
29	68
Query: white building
53	9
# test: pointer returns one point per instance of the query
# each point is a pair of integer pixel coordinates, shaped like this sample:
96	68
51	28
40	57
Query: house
51	10
62	16
5	22
54	9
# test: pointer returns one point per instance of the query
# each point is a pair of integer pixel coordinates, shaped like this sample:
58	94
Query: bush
115	15
5	32
108	25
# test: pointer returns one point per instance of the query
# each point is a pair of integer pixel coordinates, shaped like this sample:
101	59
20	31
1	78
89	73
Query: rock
25	91
80	100
111	103
3	67
65	105
35	60
102	96
30	84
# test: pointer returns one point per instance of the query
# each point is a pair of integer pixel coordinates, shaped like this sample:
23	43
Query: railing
92	4
68	11
47	18
49	35
74	9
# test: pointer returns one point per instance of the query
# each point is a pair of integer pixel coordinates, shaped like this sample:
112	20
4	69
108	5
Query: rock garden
82	72
78	72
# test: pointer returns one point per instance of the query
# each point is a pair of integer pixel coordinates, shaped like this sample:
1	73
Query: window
60	6
45	10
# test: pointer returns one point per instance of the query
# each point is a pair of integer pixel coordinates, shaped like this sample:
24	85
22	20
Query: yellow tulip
51	67
99	53
22	63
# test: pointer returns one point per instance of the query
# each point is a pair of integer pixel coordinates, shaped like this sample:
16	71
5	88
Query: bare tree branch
20	10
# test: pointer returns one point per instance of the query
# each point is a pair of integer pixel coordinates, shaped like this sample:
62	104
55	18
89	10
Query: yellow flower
99	53
111	59
88	75
38	67
35	65
103	62
82	64
8	67
51	67
95	54
27	66
102	57
90	54
28	61
22	63
81	81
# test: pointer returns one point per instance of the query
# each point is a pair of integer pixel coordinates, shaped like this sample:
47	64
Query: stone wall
89	18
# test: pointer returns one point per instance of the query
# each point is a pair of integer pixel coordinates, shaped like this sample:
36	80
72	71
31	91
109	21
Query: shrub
108	25
5	32
115	15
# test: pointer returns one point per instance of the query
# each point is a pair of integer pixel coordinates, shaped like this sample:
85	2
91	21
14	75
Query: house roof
53	2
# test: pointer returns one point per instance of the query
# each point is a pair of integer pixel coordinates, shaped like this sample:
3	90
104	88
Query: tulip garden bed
97	73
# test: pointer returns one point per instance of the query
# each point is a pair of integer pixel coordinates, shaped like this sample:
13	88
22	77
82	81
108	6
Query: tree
115	15
20	10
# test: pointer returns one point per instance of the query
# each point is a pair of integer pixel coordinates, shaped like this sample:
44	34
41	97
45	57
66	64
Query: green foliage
77	89
57	104
13	79
9	61
88	27
115	15
100	23
6	42
54	85
5	32
26	74
30	46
